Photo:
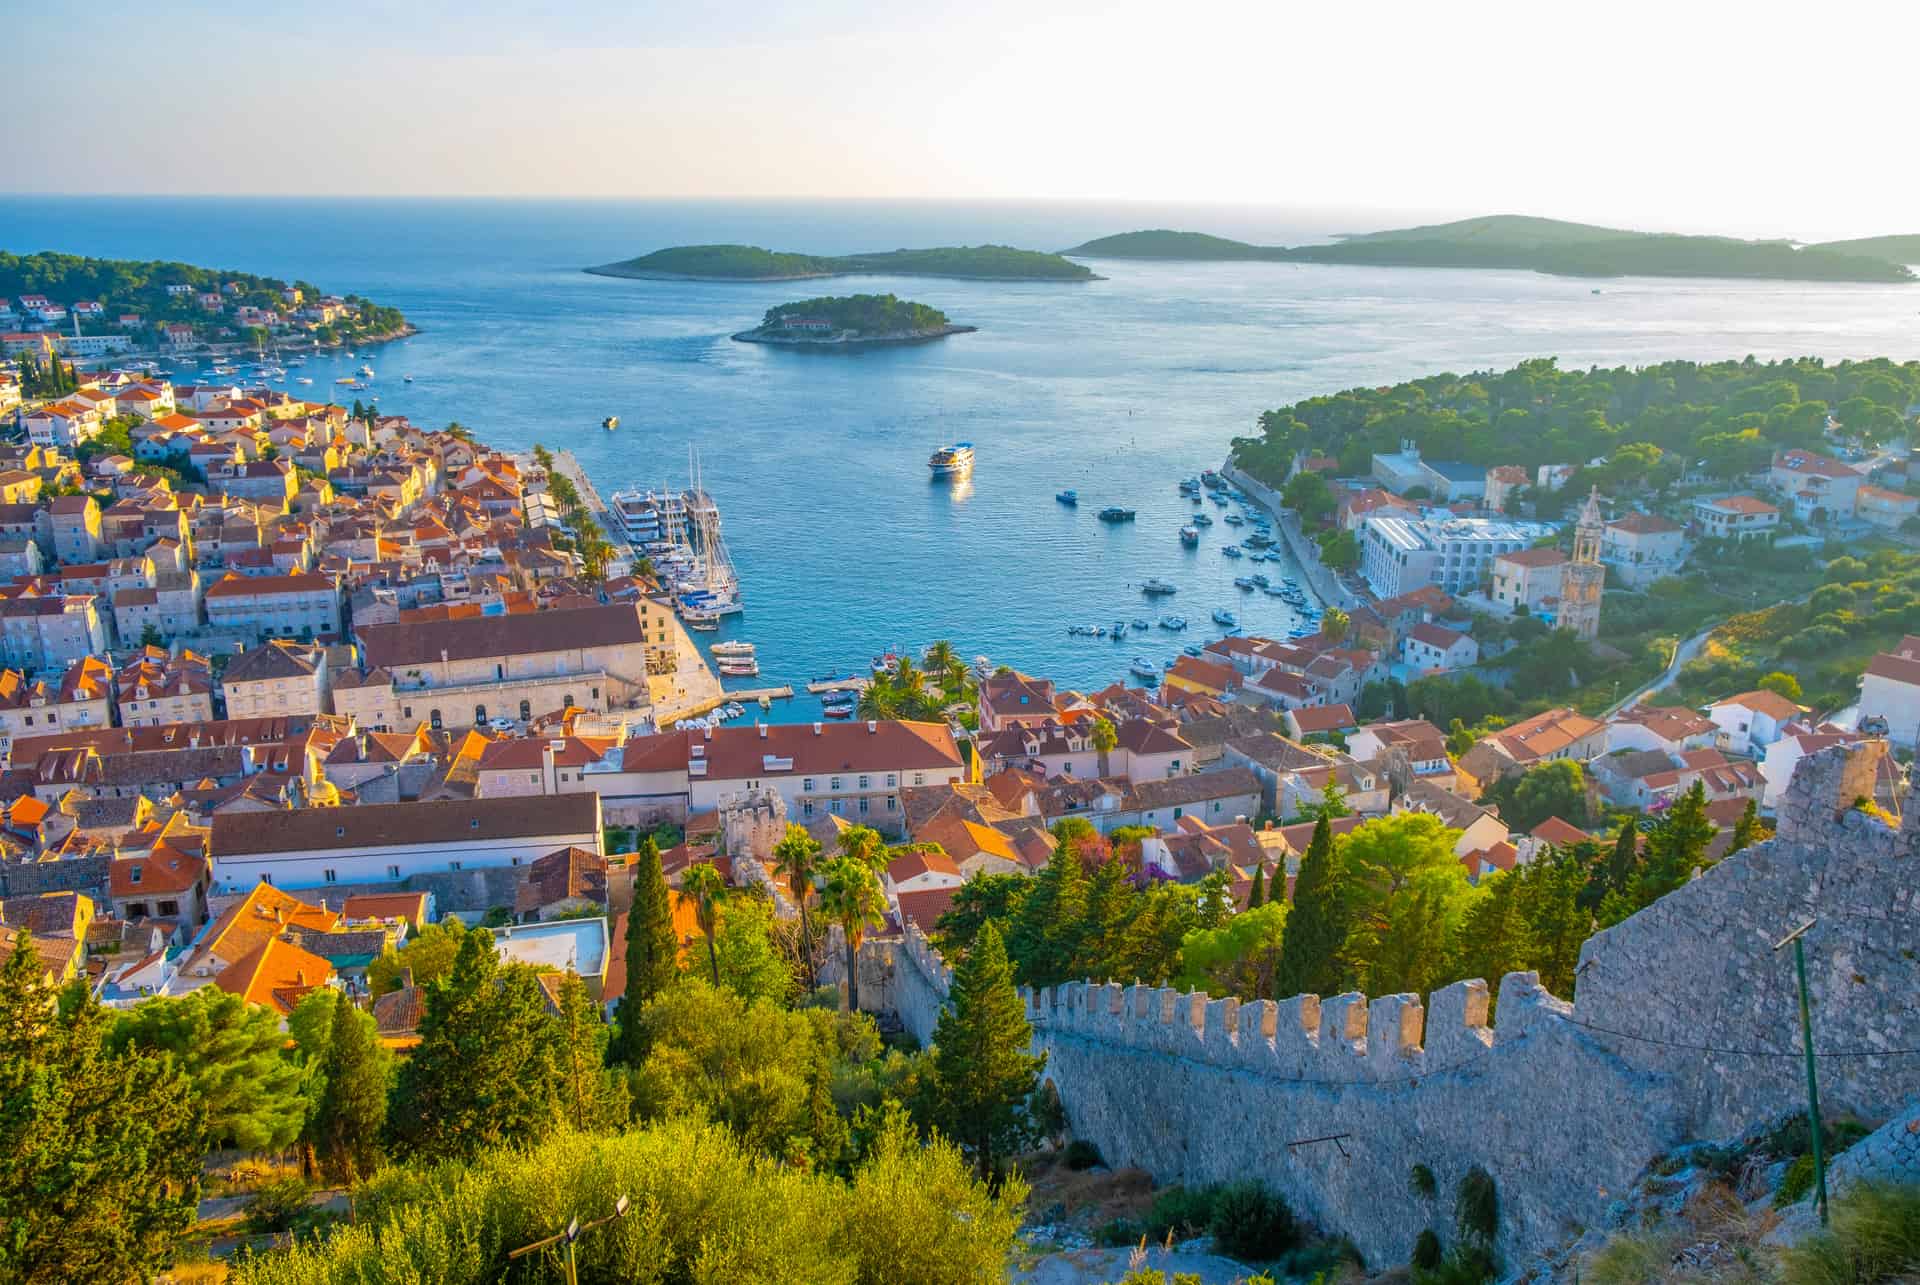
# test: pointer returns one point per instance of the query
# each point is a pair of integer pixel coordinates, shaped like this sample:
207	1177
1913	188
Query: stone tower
1585	578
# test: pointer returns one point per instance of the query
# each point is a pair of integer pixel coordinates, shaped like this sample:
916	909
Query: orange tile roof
275	973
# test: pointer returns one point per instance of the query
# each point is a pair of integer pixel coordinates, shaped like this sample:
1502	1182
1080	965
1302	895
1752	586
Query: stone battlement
1685	1027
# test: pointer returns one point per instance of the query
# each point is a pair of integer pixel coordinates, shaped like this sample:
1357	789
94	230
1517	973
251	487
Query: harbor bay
845	546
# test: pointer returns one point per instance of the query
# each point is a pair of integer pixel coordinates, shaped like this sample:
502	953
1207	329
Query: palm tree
795	858
854	900
947	667
1104	741
863	844
876	701
704	885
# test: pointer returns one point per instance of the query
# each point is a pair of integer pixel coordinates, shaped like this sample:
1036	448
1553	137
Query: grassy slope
1900	249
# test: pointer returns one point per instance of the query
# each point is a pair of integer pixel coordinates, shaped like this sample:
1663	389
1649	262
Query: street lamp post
1806	1046
569	1235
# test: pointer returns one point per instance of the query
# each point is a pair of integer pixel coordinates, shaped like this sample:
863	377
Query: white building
1399	555
1529	578
389	842
1819	487
1890	690
1643	547
1736	517
1752	721
854	770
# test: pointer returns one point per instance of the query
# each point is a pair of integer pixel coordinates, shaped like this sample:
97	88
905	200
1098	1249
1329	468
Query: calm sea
1116	388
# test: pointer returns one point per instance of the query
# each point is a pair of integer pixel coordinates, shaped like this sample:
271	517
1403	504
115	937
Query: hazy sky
1756	119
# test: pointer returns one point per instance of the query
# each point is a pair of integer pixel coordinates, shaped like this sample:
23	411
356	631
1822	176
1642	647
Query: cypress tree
591	1098
1746	831
1675	848
653	953
1615	873
983	1073
1258	897
353	1106
1316	926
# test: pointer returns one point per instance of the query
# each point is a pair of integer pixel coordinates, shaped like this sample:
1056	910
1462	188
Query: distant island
1547	245
851	321
751	263
127	305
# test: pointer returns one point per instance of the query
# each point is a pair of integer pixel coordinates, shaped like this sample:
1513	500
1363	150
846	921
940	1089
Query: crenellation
1343	1027
1457	1023
1525	1004
1393	1032
1222	1025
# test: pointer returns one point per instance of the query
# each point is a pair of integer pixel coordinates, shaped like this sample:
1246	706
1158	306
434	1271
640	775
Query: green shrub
1252	1221
1795	1183
703	1209
1322	1260
1184	1211
278	1205
1629	1259
1120	1231
1420	1181
1082	1154
1426	1251
1477	1208
1874	1236
1464	1266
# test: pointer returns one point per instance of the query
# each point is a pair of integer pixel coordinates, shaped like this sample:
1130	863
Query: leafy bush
279	1205
1252	1221
1119	1231
1426	1251
1795	1183
703	1209
1629	1259
1477	1207
1322	1260
1464	1266
1082	1154
1874	1236
1420	1181
1184	1211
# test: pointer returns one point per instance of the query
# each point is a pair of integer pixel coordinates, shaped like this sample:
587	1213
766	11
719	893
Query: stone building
1584	579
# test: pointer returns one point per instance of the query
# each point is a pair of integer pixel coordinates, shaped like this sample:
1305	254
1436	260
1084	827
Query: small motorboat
1114	513
1194	649
1232	551
838	711
1144	669
407	379
1260	580
1221	616
610	423
1155	585
1068	498
1234	519
1201	519
1219	498
1173	622
1139	624
732	647
1243	582
1119	631
1189	535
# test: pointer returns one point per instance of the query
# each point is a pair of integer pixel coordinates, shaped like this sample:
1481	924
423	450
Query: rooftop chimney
816	729
762	729
299	977
873	727
706	733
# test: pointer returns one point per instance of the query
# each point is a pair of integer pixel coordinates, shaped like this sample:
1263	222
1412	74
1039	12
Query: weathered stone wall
1687	1026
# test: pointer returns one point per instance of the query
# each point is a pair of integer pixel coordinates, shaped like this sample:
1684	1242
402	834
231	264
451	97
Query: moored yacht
1155	585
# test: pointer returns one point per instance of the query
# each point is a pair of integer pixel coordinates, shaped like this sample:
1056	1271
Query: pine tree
1317	925
1333	804
1109	903
100	1154
983	1072
1549	899
1494	937
1045	939
1675	848
1258	897
653	952
1615	874
233	1053
591	1098
1746	831
352	1110
485	1073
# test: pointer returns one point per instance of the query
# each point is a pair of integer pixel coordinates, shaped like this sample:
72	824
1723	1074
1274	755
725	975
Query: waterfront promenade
1326	586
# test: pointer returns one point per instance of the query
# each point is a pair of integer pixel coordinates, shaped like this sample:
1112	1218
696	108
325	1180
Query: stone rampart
1686	1027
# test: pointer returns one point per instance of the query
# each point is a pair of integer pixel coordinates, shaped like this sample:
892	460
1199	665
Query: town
297	696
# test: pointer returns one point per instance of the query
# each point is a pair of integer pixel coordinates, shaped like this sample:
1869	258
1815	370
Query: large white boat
952	461
733	648
649	517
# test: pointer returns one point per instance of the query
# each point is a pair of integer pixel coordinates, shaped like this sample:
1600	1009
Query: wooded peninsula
751	263
1550	246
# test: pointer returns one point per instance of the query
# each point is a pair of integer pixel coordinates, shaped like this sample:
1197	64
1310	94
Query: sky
1755	120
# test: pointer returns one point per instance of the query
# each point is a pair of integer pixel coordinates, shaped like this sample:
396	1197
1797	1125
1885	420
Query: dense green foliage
751	263
703	1210
351	1078
1544	245
427	954
924	691
982	1071
230	1051
99	1153
653	951
866	316
136	286
1731	414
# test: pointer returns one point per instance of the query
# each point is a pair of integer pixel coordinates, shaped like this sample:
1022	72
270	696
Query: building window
1176	814
863	807
863	782
136	910
807	784
919	778
329	875
806	808
479	715
393	872
267	879
454	866
533	778
833	783
892	803
526	711
891	782
433	717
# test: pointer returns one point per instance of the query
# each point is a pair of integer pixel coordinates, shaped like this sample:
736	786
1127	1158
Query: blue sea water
1116	388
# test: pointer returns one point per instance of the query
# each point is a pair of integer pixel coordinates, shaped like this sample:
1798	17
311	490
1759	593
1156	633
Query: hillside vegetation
1545	245
865	315
751	263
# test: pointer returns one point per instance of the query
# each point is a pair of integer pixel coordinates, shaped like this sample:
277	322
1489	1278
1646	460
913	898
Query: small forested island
1547	245
851	321
751	263
148	302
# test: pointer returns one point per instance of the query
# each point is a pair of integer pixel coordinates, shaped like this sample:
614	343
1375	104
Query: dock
838	685
751	695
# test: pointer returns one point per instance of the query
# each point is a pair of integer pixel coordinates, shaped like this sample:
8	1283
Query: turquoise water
1116	388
